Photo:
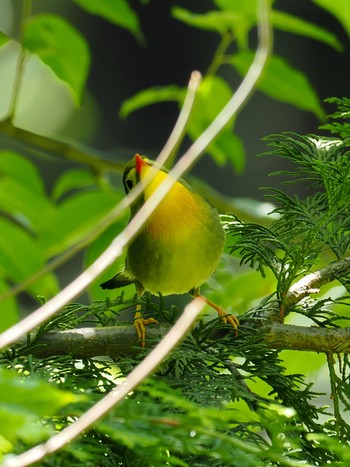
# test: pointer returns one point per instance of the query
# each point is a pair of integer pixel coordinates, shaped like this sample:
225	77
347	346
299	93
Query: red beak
139	163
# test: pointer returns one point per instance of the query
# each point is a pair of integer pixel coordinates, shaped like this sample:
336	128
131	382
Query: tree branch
114	341
119	340
60	148
312	282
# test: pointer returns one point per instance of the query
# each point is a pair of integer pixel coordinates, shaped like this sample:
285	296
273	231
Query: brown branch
313	339
119	340
312	282
114	341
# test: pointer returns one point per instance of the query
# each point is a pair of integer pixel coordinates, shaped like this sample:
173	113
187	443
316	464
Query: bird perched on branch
179	246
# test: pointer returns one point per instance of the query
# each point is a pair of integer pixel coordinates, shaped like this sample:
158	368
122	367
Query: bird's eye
128	184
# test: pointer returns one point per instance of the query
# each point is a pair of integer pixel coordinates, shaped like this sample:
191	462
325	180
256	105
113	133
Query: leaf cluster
199	408
308	229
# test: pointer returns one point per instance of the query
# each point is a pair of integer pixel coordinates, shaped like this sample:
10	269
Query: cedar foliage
219	399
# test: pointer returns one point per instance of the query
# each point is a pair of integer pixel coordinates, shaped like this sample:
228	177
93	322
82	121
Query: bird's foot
226	318
140	323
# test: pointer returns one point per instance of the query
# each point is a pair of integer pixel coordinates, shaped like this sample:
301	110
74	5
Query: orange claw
140	324
230	319
226	318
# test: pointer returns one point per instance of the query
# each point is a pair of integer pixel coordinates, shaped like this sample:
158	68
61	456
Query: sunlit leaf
217	21
3	39
116	11
228	147
71	180
77	215
246	8
8	309
213	94
20	257
289	23
280	20
230	276
151	96
22	170
61	47
283	82
24	402
30	208
338	8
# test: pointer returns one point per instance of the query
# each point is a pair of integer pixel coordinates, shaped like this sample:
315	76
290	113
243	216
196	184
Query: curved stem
219	56
26	11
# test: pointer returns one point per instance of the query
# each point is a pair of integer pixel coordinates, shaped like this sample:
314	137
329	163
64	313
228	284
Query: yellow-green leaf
282	82
61	47
20	257
3	39
149	97
338	8
289	23
115	11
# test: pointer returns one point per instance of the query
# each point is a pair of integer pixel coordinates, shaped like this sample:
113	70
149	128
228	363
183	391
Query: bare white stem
144	369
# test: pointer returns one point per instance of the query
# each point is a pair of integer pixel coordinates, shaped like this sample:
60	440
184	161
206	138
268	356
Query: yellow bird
179	246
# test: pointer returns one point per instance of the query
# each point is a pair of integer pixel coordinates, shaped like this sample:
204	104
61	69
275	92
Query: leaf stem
26	11
334	393
218	59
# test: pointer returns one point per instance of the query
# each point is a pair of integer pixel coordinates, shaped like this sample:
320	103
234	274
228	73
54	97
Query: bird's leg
226	318
139	321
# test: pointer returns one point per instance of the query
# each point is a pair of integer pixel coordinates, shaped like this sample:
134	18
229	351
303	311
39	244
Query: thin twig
312	282
26	11
334	394
63	148
144	369
116	248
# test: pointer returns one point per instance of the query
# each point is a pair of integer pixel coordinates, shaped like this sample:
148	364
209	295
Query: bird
177	249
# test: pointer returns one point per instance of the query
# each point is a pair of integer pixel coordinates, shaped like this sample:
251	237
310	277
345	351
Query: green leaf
3	39
228	147
20	257
71	180
213	94
151	96
21	169
280	20
28	207
282	82
24	402
115	11
338	8
33	394
289	23
8	310
217	21
247	8
77	216
61	47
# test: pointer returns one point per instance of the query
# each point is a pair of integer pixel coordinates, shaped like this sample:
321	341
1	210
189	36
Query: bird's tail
120	280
